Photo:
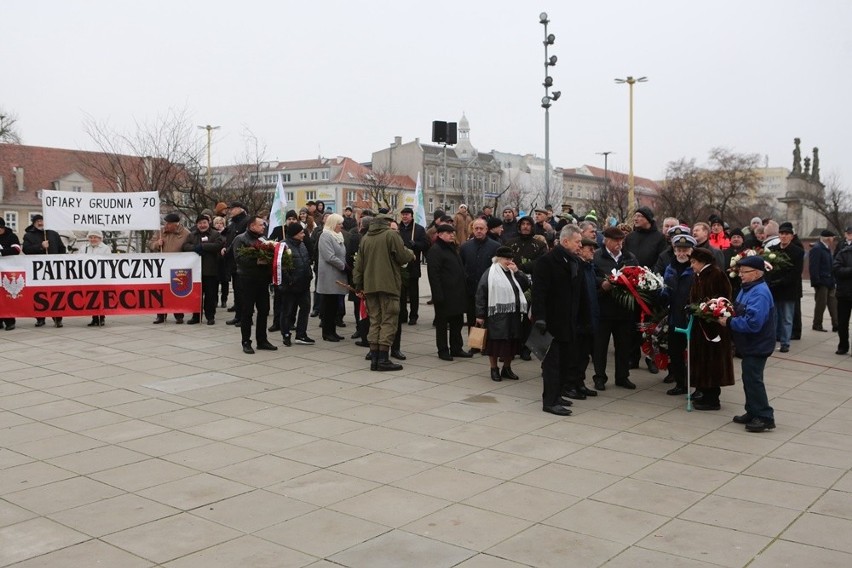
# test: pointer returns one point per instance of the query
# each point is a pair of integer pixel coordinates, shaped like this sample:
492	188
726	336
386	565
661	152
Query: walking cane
687	331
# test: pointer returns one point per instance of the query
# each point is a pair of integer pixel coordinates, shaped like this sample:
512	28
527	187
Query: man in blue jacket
822	280
753	332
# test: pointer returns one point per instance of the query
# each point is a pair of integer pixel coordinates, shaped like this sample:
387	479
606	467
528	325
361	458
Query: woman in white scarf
502	308
95	246
331	268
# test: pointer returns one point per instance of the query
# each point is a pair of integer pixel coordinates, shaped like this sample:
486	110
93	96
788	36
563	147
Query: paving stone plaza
138	445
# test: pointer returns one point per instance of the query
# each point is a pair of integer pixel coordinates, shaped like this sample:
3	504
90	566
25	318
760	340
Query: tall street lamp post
546	101
209	130
631	195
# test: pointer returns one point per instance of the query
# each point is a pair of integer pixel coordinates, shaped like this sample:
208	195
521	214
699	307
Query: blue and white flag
279	206
419	209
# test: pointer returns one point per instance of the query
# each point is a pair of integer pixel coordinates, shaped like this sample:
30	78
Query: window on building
77	188
313	175
441	179
303	176
431	205
325	175
351	197
285	177
290	195
11	218
311	195
254	178
453	180
493	185
430	179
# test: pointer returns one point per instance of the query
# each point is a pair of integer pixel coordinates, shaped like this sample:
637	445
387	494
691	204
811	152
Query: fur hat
504	252
703	255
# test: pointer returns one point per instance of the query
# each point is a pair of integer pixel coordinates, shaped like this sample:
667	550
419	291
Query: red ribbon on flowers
627	284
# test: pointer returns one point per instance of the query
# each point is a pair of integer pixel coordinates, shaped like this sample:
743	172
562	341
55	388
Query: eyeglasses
746	271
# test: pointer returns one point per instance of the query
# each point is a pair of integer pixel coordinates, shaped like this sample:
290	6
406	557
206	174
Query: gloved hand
541	326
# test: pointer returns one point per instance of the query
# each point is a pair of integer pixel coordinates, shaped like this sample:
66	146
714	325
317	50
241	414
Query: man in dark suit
822	280
414	239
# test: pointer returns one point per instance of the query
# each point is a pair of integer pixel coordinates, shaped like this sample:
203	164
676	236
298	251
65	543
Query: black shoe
386	364
525	354
287	342
247	348
304	340
819	328
676	391
234	321
339	323
785	349
495	375
355	335
575	394
412	321
314	314
160	319
179	320
266	346
743	418
397	354
362	343
565	402
373	358
445	357
40	322
193	321
94	323
508	374
669	379
10	327
625	383
600	384
57	322
706	406
211	321
834	329
332	338
796	337
223	304
760	425
587	391
232	309
369	356
274	327
462	354
652	367
838	352
557	410
697	396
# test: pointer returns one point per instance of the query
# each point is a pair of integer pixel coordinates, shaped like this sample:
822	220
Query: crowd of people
521	279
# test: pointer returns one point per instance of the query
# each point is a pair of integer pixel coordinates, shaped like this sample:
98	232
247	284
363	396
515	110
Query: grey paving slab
303	457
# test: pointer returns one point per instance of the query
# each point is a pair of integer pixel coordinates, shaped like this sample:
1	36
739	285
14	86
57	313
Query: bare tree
381	187
9	128
611	199
732	179
683	191
245	182
833	202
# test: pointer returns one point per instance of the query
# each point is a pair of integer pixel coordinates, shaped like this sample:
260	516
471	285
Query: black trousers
797	320
844	310
236	284
209	297
413	298
454	323
276	305
578	360
677	359
403	318
255	294
328	313
290	302
555	370
621	332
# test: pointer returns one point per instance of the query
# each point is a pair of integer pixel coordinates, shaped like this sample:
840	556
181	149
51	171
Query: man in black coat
822	280
414	238
842	270
447	280
616	320
786	284
510	225
476	254
295	286
207	242
38	240
237	225
557	298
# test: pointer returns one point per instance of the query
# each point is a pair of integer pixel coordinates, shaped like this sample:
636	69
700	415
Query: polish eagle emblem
13	282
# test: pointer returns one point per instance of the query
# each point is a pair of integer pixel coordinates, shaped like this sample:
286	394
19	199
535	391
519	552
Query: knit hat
291	214
737	232
36	217
786	227
493	223
647	213
755	262
294	229
591	216
220	208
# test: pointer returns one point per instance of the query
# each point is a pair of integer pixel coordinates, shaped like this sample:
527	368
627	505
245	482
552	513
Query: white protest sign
73	211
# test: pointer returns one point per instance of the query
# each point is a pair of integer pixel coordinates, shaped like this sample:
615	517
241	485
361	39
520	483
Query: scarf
337	236
502	287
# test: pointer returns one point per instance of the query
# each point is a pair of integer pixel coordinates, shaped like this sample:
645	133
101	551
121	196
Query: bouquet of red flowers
635	284
711	310
261	250
655	340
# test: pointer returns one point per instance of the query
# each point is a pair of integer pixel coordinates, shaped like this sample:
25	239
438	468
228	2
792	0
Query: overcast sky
343	78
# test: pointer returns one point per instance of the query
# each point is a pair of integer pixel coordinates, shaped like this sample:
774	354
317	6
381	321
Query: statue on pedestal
807	172
815	170
797	157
